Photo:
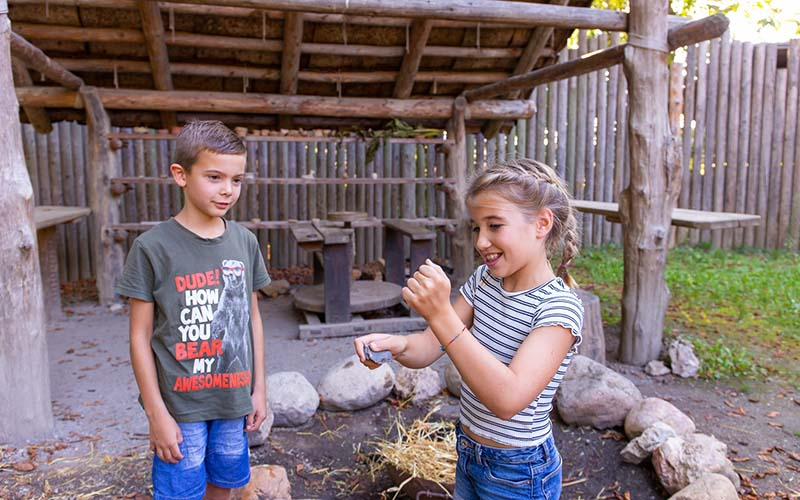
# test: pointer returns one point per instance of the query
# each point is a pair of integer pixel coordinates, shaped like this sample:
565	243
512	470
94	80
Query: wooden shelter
458	65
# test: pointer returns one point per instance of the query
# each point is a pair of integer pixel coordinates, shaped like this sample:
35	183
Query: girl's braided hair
532	186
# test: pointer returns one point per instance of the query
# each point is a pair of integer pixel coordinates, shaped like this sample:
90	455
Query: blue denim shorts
214	451
490	473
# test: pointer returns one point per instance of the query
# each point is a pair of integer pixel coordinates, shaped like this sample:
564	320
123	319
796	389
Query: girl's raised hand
428	290
395	344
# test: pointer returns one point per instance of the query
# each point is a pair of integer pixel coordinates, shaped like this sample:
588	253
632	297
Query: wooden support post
461	256
646	204
417	39
337	259
394	256
25	411
153	28
290	59
109	257
36	116
33	57
533	51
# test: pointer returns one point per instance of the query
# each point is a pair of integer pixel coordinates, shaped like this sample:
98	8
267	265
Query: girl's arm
417	350
259	397
165	435
505	390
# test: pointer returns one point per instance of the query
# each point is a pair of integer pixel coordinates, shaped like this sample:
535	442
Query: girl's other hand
395	344
428	290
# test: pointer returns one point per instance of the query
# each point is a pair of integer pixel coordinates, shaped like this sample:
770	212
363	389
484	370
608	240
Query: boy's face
214	183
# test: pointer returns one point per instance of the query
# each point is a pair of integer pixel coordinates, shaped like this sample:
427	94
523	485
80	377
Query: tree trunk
462	254
24	373
646	204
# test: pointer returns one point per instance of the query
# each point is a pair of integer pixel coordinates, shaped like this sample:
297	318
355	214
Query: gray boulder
259	436
419	385
682	359
292	397
651	410
680	461
641	447
592	394
708	487
348	385
453	379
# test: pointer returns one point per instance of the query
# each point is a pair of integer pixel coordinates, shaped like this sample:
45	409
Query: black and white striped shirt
501	322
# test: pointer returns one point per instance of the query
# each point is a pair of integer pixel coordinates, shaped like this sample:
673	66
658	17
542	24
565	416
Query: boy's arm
259	397
165	435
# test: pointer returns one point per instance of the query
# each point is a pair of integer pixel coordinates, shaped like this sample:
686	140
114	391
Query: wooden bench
421	239
683	217
46	219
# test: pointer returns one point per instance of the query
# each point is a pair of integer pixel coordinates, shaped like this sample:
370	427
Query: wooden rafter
153	29
534	50
689	33
36	116
290	60
417	40
184	39
33	57
234	102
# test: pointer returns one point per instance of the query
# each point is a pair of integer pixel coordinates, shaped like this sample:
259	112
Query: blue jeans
214	451
489	473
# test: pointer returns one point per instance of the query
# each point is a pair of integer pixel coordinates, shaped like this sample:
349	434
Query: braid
570	250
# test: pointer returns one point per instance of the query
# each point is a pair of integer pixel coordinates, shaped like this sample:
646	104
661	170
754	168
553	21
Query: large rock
419	385
682	359
349	385
592	394
267	482
680	461
293	399
651	410
640	448
656	368
259	436
708	487
453	379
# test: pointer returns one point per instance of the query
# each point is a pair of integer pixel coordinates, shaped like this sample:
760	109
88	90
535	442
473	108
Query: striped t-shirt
501	322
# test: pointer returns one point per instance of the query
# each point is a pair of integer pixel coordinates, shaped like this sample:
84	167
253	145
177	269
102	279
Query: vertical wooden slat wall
740	139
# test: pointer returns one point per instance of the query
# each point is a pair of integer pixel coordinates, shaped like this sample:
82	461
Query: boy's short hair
205	135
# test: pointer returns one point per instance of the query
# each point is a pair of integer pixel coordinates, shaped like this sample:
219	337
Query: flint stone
348	385
267	482
680	461
419	385
592	394
682	359
640	448
708	487
453	379
656	368
651	410
292	397
259	436
379	357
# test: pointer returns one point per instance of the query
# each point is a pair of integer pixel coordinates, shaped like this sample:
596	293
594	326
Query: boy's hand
259	413
165	436
395	344
428	291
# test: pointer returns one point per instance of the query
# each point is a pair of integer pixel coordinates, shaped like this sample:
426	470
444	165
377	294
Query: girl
511	332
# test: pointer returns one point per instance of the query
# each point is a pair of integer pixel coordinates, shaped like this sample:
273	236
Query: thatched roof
237	50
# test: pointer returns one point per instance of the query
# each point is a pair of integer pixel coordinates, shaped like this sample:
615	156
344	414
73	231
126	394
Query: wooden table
340	300
683	217
46	219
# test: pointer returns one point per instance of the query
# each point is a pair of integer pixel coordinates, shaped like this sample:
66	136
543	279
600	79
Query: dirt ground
99	448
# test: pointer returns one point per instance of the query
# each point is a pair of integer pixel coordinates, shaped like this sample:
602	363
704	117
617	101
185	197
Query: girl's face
511	242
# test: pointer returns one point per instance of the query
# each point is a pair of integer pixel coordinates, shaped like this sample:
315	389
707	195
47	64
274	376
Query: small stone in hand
377	356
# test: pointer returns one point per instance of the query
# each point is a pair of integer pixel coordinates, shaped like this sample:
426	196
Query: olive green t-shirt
202	336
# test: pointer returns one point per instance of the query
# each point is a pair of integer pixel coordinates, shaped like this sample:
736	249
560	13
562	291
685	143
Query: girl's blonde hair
533	186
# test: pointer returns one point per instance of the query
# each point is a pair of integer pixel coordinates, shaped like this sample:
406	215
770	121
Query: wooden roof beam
36	116
487	11
184	39
33	57
417	40
290	59
687	34
533	51
235	102
153	29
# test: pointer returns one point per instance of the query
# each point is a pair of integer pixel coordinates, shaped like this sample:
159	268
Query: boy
197	344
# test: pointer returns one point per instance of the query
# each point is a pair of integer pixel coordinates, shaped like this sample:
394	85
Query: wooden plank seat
683	217
46	219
